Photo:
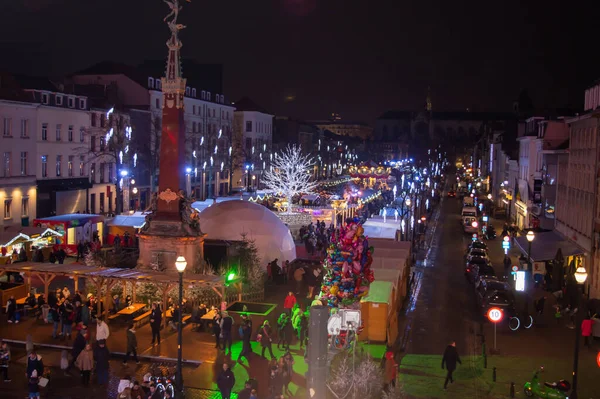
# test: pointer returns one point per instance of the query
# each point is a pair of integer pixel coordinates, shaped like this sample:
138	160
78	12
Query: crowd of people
316	238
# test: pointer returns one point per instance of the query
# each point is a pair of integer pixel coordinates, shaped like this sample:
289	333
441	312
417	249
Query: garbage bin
24	221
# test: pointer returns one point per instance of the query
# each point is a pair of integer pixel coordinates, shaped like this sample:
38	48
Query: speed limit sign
494	315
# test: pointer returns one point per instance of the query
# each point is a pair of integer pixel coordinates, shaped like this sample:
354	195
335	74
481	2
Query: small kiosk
379	313
73	228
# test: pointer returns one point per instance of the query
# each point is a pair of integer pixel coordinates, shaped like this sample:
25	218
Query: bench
141	319
186	318
113	316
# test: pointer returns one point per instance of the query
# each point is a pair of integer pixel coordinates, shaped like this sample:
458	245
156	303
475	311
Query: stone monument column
172	229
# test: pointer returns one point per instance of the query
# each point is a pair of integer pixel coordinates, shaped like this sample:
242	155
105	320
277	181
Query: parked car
477	252
476	244
478	267
494	293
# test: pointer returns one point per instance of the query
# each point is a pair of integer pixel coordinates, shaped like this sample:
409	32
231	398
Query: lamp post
180	264
530	237
580	277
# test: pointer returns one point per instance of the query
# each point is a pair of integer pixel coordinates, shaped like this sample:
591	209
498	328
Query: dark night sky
355	57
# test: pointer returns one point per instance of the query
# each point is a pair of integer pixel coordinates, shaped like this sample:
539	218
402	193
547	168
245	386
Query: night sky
308	58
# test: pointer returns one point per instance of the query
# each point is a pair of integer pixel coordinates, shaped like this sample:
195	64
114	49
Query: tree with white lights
290	174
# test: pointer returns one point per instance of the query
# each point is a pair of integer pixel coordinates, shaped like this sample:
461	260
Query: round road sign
495	315
515	268
506	239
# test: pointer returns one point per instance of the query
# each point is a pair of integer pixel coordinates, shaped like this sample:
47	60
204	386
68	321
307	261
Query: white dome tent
230	219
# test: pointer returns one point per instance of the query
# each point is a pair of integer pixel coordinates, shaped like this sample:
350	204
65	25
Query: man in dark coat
101	356
449	360
246	338
155	321
226	327
226	381
34	362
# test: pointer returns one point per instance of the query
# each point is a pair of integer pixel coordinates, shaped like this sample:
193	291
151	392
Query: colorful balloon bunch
348	267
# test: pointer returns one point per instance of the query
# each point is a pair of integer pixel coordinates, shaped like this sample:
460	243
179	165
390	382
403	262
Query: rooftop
246	104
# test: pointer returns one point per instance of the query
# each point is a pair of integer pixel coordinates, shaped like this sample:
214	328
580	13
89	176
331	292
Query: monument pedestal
164	241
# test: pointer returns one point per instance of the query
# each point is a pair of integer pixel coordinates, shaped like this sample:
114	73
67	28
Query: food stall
379	314
73	228
9	241
122	224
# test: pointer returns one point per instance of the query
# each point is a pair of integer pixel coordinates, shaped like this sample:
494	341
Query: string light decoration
288	174
348	272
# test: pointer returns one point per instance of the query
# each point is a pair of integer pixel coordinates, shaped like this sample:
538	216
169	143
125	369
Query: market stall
73	228
125	224
378	312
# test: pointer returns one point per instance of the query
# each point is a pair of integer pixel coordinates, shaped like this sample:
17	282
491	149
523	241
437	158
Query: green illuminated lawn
421	376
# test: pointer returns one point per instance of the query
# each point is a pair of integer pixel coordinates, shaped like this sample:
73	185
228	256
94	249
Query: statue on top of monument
175	8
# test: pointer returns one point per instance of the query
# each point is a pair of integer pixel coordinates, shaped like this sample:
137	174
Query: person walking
11	310
79	345
131	345
449	360
226	381
390	372
226	327
155	321
299	277
289	302
32	385
507	263
102	330
286	365
281	321
85	363
101	356
216	327
67	316
288	333
586	331
246	337
266	341
4	360
54	314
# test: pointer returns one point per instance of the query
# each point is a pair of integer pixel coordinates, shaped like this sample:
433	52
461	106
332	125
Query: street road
442	308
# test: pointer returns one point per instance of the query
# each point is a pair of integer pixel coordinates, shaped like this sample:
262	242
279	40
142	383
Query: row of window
104	177
189	92
261	127
197	110
59	102
7	163
24	131
7	130
8	205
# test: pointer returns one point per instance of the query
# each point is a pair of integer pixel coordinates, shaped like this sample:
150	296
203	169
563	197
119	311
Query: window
44	165
222	99
227	115
249	126
248	144
102	120
44	131
81	103
213	113
208	96
102	167
194	127
24	206
58	129
81	165
194	109
203	95
7	127
110	172
71	102
194	93
158	84
7	208
157	103
70	166
59	100
7	161
93	143
44	98
93	172
23	163
94	119
187	91
70	133
24	128
102	143
58	165
151	83
82	134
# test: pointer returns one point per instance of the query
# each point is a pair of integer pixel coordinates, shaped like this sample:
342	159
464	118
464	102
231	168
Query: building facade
253	130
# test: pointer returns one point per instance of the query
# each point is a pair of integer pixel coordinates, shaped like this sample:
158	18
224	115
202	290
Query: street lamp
580	277
530	237
180	264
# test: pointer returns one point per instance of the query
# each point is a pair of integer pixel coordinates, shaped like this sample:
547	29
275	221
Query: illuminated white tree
290	174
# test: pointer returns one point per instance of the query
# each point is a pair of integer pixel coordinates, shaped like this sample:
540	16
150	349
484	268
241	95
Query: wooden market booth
107	278
379	314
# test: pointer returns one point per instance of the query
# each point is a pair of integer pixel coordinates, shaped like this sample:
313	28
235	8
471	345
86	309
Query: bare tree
289	174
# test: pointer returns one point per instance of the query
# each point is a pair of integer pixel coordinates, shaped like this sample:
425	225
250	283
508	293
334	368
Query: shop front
74	228
521	215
